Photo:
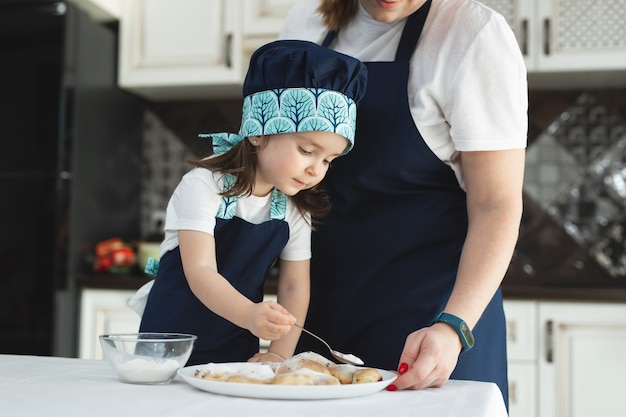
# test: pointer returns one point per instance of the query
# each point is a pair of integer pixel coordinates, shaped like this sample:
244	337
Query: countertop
48	386
562	293
559	293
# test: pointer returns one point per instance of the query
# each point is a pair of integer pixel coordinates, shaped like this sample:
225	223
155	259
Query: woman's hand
269	320
428	359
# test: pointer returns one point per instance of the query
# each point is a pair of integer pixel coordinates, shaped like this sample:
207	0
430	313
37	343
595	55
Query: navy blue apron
245	252
385	259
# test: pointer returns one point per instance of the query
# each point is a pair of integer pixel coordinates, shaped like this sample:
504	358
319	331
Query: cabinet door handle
549	341
228	50
512	392
524	37
546	36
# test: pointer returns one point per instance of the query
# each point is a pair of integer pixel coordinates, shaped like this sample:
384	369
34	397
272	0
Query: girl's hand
266	357
269	320
428	359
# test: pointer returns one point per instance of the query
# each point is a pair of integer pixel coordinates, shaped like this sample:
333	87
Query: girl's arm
267	320
293	294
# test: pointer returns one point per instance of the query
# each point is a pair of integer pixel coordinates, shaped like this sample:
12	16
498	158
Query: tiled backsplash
169	141
574	191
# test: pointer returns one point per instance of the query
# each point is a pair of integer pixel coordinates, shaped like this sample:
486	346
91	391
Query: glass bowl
147	358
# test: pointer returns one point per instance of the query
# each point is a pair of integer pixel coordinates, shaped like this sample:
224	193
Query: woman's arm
293	294
267	320
494	181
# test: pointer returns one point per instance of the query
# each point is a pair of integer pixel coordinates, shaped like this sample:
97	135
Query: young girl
254	201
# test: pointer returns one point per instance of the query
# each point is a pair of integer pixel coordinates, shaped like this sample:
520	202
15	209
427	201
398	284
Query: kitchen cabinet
193	48
521	319
566	358
262	22
582	362
567	35
182	49
104	311
264	17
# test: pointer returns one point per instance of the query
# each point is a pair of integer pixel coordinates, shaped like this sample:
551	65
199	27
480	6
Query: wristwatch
462	329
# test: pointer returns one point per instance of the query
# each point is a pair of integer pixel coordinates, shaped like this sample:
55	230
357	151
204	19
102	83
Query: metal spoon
341	357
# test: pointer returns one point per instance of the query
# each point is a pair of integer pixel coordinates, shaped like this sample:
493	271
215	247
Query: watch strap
461	328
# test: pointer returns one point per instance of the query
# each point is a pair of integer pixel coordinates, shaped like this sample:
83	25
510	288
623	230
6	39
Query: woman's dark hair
241	162
337	13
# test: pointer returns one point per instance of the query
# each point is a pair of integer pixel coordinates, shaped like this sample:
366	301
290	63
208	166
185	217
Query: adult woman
426	209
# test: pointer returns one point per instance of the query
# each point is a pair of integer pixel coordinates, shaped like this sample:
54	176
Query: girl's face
388	11
292	162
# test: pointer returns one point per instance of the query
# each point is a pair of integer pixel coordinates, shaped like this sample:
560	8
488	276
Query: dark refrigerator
69	167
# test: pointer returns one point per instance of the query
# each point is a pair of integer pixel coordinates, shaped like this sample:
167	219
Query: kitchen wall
575	184
574	190
170	139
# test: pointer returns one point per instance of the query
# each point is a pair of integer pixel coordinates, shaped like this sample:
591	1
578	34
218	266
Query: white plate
286	392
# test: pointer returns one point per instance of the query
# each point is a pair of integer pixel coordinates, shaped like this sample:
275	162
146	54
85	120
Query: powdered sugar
147	371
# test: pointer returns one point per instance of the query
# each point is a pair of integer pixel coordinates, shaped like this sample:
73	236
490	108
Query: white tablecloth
47	386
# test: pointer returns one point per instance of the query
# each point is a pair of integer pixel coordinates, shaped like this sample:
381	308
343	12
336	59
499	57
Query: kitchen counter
133	282
526	292
47	386
113	281
546	293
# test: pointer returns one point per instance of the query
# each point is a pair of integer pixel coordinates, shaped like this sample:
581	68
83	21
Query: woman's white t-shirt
195	202
467	85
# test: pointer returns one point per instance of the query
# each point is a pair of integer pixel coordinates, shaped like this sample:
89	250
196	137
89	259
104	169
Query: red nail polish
392	388
403	368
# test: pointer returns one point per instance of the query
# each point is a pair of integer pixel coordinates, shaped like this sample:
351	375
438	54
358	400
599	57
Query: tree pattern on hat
291	110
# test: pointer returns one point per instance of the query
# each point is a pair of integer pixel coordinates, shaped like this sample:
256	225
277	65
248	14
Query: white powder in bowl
147	371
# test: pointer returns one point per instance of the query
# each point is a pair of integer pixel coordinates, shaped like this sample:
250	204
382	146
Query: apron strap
226	210
329	38
411	33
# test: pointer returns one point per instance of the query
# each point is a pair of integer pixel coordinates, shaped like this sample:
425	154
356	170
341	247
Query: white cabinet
521	324
265	17
103	311
568	35
193	49
566	359
262	22
181	49
582	359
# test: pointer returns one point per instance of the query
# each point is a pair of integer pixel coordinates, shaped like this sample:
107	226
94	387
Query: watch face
467	333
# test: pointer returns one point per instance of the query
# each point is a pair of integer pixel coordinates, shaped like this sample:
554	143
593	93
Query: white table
49	386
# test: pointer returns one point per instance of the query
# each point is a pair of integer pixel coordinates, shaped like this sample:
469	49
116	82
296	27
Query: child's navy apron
385	259
245	252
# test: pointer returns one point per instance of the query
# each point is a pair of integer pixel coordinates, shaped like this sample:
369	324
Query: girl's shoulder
203	177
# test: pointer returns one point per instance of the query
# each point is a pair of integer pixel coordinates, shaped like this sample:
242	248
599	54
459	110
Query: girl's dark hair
241	162
337	13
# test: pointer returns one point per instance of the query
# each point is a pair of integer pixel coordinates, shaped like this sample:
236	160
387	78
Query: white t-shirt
195	202
467	84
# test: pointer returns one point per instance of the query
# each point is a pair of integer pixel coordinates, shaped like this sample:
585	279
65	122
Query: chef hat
298	86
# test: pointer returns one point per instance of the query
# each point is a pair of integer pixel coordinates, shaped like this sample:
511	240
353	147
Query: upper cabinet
181	49
265	17
580	35
578	40
188	49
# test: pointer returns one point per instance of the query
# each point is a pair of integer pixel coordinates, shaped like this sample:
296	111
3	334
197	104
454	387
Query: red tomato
123	257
